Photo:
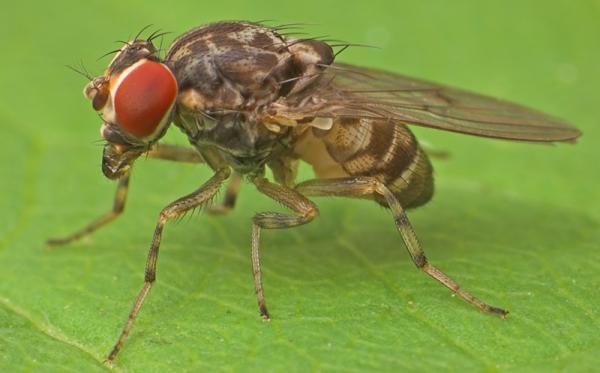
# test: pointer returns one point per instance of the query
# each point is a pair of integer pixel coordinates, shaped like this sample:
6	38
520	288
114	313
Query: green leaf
515	224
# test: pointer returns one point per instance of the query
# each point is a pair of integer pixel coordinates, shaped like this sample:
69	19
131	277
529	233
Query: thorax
241	143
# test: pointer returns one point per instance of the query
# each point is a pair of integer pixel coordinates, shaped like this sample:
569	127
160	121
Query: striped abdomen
365	147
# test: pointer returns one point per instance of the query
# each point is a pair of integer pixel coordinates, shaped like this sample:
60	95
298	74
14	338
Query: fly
250	98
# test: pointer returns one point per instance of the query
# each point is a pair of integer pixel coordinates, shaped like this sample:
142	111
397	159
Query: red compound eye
143	97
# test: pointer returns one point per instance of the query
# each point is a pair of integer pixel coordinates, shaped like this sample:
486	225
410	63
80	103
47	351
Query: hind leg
364	186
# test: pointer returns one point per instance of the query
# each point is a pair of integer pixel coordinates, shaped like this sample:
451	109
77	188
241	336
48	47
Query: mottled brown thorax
229	75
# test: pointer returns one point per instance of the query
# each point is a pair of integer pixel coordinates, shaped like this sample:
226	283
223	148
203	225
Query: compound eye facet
143	96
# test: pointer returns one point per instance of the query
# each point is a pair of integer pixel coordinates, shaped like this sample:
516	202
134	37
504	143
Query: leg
434	152
118	206
361	186
180	206
305	211
159	151
231	194
175	153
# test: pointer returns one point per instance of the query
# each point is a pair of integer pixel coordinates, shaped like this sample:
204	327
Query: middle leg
231	193
305	211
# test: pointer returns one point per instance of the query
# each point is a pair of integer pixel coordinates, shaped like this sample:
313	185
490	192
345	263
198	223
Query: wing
349	91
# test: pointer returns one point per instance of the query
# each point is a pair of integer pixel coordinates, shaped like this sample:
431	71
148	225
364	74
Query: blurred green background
516	224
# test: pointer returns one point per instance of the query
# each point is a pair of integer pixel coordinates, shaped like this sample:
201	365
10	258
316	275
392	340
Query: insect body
249	99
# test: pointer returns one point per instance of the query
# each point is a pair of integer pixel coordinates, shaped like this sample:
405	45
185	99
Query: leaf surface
515	224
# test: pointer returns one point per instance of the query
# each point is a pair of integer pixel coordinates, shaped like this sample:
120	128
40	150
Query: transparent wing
350	91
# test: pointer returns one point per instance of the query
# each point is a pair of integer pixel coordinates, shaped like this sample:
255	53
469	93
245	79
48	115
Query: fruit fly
249	97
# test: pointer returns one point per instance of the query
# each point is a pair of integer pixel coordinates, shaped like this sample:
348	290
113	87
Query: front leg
176	153
305	211
159	151
173	210
364	186
117	210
